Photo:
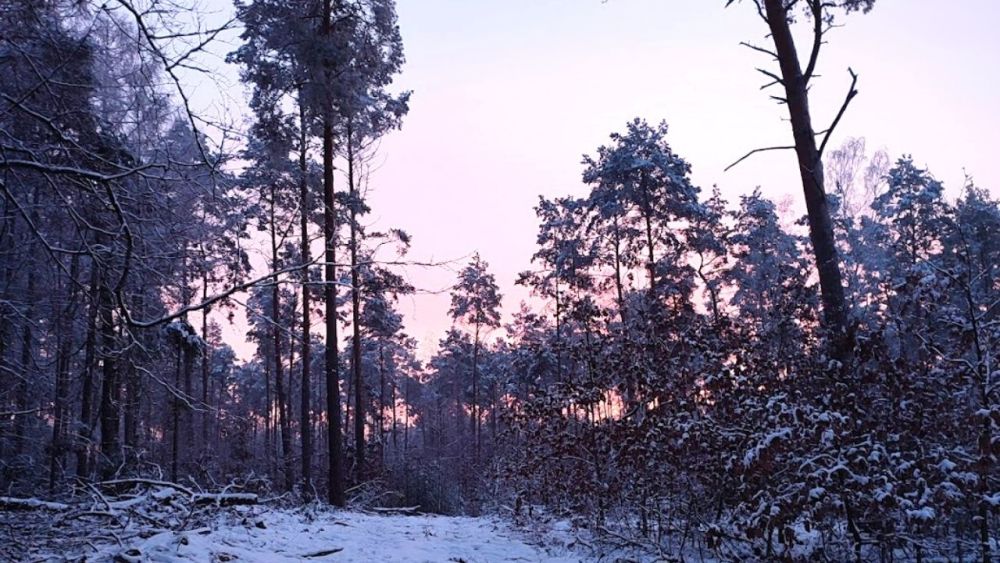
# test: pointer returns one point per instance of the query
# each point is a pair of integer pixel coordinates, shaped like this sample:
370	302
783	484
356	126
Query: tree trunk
21	397
475	392
64	337
359	388
110	387
811	173
24	376
279	379
268	416
380	416
206	416
306	404
336	470
175	415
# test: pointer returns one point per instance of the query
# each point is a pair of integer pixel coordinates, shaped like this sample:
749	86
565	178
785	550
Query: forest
695	377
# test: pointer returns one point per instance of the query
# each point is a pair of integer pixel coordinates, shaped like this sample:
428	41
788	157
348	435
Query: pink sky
508	94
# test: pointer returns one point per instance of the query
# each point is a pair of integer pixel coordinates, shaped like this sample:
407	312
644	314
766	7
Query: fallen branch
12	503
225	499
148	482
407	510
324	552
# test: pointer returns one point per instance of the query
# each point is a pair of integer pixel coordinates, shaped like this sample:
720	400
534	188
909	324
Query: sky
509	94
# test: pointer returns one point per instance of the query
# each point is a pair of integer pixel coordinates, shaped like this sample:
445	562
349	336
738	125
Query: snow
754	453
923	514
278	535
21	503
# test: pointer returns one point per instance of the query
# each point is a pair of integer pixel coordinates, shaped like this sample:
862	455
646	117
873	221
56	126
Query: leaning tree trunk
811	173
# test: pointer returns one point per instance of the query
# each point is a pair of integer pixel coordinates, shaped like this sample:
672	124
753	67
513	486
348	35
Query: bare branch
843	108
755	151
207	302
759	49
149	36
771	75
816	6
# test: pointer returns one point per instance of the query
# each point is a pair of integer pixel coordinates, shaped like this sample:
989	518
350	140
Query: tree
778	14
475	301
640	185
563	256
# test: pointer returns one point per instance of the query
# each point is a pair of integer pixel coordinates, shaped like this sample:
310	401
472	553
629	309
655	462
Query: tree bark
306	405
206	416
811	173
336	470
64	337
279	379
475	393
110	387
359	388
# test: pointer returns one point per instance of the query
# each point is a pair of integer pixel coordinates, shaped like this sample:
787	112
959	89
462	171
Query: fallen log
118	484
12	503
225	499
402	510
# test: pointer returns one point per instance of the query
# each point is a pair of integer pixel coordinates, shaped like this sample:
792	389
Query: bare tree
794	80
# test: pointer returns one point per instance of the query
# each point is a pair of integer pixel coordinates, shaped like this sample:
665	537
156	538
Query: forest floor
258	534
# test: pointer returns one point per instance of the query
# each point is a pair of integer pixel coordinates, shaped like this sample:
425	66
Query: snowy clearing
276	536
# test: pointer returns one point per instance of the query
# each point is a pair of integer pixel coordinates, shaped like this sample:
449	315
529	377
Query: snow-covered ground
277	536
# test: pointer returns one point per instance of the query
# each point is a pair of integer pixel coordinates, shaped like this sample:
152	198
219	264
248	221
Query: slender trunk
559	366
406	415
647	216
85	432
175	415
290	390
359	388
349	393
21	421
131	415
206	415
279	379
475	393
306	403
110	387
64	337
381	402
619	286
494	401
336	470
133	394
395	439
187	412
458	405
21	397
713	293
811	173
986	441
268	417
